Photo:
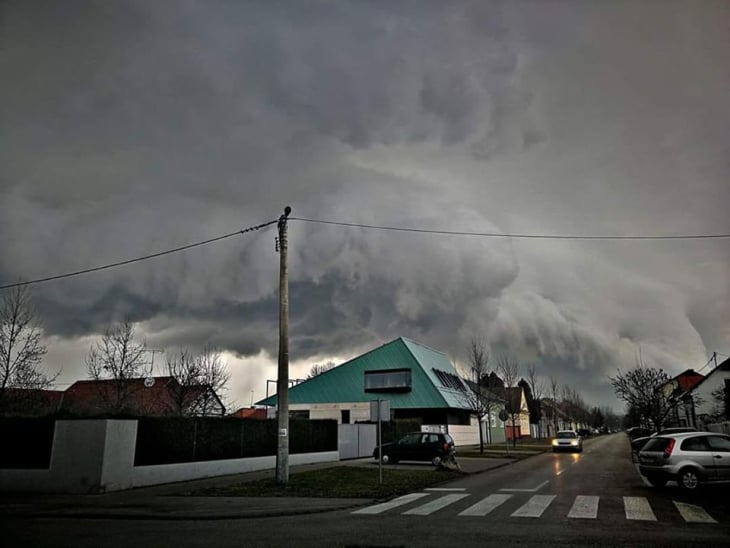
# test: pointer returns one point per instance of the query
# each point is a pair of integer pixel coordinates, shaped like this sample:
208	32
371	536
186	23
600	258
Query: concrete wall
464	435
359	411
96	456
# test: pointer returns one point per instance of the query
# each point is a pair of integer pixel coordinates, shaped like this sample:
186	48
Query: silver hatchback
690	459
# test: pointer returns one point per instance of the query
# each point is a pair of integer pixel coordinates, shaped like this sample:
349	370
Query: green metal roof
346	382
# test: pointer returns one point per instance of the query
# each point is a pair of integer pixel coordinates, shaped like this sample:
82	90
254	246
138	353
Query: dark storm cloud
129	128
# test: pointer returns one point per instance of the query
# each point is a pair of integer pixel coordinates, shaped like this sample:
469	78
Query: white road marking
638	508
445	489
693	514
385	506
431	507
486	505
543	484
534	507
584	507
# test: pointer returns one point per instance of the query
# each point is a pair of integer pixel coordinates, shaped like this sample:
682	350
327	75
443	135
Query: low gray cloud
132	128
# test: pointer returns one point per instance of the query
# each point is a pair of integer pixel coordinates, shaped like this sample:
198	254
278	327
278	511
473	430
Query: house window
345	415
390	380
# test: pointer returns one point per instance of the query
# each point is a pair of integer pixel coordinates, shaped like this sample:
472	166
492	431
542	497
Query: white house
708	395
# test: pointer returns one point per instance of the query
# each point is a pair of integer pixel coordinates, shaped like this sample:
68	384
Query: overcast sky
134	127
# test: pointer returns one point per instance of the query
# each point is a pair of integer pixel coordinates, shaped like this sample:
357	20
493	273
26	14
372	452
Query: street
595	498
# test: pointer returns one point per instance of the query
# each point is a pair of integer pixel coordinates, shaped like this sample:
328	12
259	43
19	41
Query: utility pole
282	396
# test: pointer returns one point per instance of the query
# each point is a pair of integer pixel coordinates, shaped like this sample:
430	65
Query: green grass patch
336	482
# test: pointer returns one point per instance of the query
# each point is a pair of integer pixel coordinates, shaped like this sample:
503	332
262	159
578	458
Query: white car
567	440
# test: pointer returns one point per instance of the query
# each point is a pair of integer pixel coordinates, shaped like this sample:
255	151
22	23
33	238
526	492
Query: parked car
567	440
638	432
689	458
421	446
638	443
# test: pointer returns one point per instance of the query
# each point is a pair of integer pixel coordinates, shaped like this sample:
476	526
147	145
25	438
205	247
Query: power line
373	227
516	235
708	363
138	259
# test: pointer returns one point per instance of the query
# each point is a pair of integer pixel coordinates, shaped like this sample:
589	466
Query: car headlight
573	442
555	442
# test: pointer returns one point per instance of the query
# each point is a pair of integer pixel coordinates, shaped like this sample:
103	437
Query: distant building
711	396
151	396
677	393
259	413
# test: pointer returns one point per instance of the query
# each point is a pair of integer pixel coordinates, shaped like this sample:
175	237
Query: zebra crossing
583	507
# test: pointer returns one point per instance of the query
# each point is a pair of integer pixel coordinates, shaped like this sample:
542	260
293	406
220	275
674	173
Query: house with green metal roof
419	382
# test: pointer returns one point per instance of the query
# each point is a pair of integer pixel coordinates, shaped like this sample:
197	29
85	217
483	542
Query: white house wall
705	404
359	411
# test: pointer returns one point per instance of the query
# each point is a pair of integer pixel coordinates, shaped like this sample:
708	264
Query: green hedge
26	442
166	440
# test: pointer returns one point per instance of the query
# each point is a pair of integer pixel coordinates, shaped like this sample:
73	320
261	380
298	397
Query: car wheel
656	481
436	460
385	459
688	479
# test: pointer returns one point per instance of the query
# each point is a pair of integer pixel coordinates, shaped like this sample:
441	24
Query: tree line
117	357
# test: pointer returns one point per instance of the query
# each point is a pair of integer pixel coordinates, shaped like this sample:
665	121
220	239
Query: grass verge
336	482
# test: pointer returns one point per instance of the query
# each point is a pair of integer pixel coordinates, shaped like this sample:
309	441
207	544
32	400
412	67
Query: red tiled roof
688	379
250	413
130	396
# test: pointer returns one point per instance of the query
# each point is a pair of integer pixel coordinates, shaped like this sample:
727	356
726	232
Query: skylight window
449	380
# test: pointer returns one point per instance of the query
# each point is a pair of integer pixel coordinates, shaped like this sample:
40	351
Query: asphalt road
595	498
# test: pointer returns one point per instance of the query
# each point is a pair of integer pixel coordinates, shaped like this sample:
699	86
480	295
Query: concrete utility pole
282	392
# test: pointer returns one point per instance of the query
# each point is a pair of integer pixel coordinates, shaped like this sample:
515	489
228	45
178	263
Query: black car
422	446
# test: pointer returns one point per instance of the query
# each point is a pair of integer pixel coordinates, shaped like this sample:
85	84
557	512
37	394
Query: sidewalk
168	502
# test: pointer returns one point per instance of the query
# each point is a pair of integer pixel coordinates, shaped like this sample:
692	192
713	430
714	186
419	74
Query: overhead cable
516	235
138	259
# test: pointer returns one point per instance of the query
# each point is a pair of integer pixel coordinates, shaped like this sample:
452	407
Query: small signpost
380	411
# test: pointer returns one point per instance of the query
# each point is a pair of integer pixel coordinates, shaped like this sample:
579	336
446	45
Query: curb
183	515
174	517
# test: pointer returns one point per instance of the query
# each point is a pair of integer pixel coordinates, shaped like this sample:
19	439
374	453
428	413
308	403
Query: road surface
595	498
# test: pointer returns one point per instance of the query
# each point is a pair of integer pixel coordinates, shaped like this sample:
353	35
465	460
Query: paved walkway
169	502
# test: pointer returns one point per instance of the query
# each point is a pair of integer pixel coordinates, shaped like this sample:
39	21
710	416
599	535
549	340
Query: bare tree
537	387
574	406
21	349
640	389
554	391
117	358
480	396
183	368
213	373
509	370
201	379
720	401
319	368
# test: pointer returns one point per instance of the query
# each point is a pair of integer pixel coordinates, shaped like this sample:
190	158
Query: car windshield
567	435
